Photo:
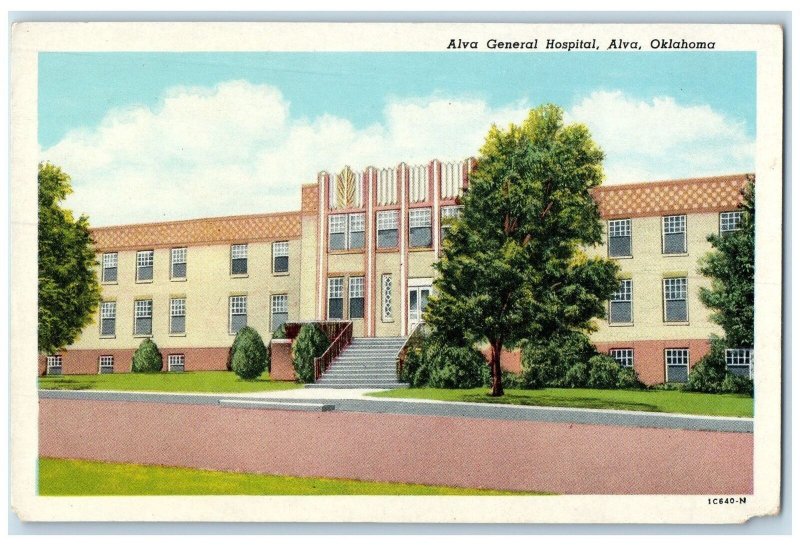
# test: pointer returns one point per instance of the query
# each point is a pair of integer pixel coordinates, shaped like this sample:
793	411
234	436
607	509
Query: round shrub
311	342
545	362
250	355
577	376
147	358
603	372
455	367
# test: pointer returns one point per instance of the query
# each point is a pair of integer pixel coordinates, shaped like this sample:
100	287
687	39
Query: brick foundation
87	361
281	368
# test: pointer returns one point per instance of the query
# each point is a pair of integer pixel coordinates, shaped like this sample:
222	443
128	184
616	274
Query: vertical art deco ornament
345	188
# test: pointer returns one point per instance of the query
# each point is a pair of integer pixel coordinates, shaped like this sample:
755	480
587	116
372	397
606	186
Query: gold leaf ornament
345	188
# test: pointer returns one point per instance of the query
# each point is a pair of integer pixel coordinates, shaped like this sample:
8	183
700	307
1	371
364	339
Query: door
417	301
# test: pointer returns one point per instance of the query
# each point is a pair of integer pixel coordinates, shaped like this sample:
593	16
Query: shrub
577	376
455	367
416	371
511	380
603	372
545	363
250	355
147	358
627	378
311	342
736	384
711	375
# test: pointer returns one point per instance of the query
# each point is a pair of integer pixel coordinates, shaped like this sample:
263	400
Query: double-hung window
337	232
178	265
675	292
739	362
106	364
144	265
419	226
280	257
620	307
677	365
237	313
355	238
109	267
143	317
449	215
356	304
336	298
108	318
624	357
280	310
54	365
619	238
177	316
388	221
674	234
238	259
729	222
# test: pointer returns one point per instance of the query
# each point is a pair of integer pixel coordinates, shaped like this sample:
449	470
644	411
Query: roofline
678	181
202	219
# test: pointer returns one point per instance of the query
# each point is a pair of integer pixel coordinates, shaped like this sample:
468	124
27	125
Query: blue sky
261	124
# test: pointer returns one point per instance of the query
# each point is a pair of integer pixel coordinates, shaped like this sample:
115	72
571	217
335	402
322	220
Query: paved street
533	449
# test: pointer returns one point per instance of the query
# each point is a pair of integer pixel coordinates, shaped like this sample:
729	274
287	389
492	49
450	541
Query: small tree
512	266
68	289
249	354
311	342
147	358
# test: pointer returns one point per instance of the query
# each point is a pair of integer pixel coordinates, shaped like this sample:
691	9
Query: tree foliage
147	358
311	342
512	265
731	268
68	289
249	354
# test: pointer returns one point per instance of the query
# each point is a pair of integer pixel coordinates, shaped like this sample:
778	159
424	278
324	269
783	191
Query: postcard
385	272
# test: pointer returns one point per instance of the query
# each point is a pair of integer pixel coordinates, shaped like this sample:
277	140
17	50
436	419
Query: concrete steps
367	363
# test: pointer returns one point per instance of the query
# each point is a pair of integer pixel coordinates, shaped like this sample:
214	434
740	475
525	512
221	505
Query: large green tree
512	266
731	268
68	287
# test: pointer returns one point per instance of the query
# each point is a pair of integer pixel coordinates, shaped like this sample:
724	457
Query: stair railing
339	343
417	335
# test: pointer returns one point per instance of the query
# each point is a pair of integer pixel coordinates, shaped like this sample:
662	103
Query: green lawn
670	401
70	477
165	382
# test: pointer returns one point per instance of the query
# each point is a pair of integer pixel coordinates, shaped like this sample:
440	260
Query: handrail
401	354
342	340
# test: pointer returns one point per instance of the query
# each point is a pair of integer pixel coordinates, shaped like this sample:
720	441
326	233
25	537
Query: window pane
179	270
238	322
674	243
677	374
620	312
335	308
110	274
357	239
337	241
387	238
145	273
420	237
619	246
239	266
177	324
281	264
144	326
356	308
676	310
108	327
278	319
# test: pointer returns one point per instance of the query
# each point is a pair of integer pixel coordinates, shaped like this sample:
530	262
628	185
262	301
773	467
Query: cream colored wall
420	263
207	287
308	269
648	267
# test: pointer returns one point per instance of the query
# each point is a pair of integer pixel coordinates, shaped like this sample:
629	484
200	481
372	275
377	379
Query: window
143	317
624	357
388	221
449	215
619	238
280	310
337	232
238	259
54	365
177	316
176	363
674	229
280	257
419	226
336	298
729	222
108	319
677	364
144	265
237	306
356	231
386	297
620	307
356	297
106	364
739	362
675	309
178	265
109	267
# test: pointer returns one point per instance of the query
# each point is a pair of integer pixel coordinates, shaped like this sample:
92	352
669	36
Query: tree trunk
497	373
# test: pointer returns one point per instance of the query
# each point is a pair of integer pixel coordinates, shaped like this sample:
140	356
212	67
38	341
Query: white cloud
235	149
661	139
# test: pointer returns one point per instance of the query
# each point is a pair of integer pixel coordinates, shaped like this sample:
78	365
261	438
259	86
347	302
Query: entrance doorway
417	301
